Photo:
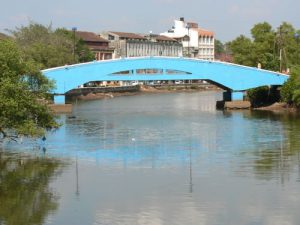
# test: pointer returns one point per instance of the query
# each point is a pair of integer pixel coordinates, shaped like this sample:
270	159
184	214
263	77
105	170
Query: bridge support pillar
59	99
233	100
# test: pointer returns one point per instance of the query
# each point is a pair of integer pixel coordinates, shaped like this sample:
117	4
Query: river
156	159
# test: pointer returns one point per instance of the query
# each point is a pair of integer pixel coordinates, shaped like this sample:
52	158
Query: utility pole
74	29
282	54
280	60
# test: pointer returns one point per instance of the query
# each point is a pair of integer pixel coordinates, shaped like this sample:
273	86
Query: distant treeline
272	49
49	47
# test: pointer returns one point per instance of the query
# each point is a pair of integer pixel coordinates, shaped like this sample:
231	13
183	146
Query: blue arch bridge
236	79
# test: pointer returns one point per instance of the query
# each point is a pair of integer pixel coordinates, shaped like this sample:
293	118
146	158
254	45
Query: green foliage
262	96
82	52
242	50
287	91
43	46
258	50
263	46
258	96
262	32
289	45
22	86
266	46
290	91
219	47
48	47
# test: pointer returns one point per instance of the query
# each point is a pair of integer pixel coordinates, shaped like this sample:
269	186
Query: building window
111	37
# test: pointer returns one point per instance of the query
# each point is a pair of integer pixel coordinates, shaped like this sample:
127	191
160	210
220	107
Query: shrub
262	96
290	91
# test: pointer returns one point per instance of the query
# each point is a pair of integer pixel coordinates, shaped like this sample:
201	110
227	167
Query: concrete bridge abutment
233	100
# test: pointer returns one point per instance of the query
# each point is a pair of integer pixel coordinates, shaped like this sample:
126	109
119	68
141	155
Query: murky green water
156	159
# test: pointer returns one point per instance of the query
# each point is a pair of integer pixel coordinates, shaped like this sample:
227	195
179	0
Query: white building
196	42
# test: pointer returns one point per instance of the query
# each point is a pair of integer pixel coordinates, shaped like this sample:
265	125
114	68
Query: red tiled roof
127	35
90	36
202	32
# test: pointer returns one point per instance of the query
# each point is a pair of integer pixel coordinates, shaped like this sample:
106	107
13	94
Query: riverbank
278	107
105	93
99	96
99	93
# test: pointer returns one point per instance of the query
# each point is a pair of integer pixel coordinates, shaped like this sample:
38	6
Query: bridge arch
231	76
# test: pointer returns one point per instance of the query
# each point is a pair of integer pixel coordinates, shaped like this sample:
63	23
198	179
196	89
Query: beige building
137	45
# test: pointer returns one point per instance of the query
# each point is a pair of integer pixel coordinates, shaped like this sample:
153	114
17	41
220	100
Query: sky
228	19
